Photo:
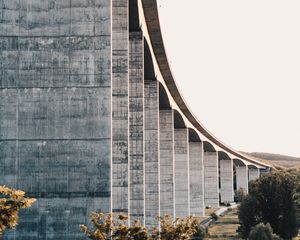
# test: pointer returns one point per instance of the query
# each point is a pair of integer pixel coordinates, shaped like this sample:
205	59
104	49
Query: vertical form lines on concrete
120	106
253	174
211	179
136	125
166	147
242	178
152	181
111	111
226	178
55	101
196	179
181	164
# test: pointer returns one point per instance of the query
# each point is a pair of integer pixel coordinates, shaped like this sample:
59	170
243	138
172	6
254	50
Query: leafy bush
201	232
106	228
262	232
178	229
214	216
240	193
272	199
11	201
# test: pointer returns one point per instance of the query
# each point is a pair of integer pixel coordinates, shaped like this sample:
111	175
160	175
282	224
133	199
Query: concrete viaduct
91	119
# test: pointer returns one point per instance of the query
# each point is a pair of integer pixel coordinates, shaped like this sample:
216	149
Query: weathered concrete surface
70	120
136	126
55	116
152	176
61	175
120	107
55	216
211	179
226	181
196	179
181	161
242	178
166	148
253	174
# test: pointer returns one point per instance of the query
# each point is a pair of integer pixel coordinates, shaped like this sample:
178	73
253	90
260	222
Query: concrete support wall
166	148
226	179
136	125
253	174
152	174
181	161
211	179
80	128
55	112
120	99
196	179
242	178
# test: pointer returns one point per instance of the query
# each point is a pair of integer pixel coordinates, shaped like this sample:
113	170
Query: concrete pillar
242	178
136	125
120	123
226	179
151	152
253	174
211	179
166	147
196	179
181	167
263	171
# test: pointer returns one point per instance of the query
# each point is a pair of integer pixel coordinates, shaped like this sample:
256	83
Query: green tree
240	193
271	199
248	215
296	172
11	201
106	227
262	232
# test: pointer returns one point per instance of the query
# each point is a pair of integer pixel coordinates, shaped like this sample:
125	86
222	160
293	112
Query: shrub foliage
106	228
11	201
262	232
272	199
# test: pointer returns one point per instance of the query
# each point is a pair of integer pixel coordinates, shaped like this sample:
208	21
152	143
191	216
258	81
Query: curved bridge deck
92	119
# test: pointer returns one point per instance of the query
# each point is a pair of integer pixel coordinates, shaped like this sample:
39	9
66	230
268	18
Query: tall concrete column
55	112
211	179
136	125
166	147
151	115
253	174
120	99
196	179
242	178
181	167
226	180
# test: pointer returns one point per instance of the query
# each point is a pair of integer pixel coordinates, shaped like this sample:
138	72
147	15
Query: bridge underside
91	120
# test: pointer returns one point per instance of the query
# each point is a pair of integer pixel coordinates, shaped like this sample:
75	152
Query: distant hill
276	159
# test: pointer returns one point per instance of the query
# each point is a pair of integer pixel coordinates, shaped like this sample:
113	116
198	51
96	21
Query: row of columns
160	166
243	175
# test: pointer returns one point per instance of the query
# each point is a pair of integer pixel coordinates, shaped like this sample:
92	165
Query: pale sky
237	64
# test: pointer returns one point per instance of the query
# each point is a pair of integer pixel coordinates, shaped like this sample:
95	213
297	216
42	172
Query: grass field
225	227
